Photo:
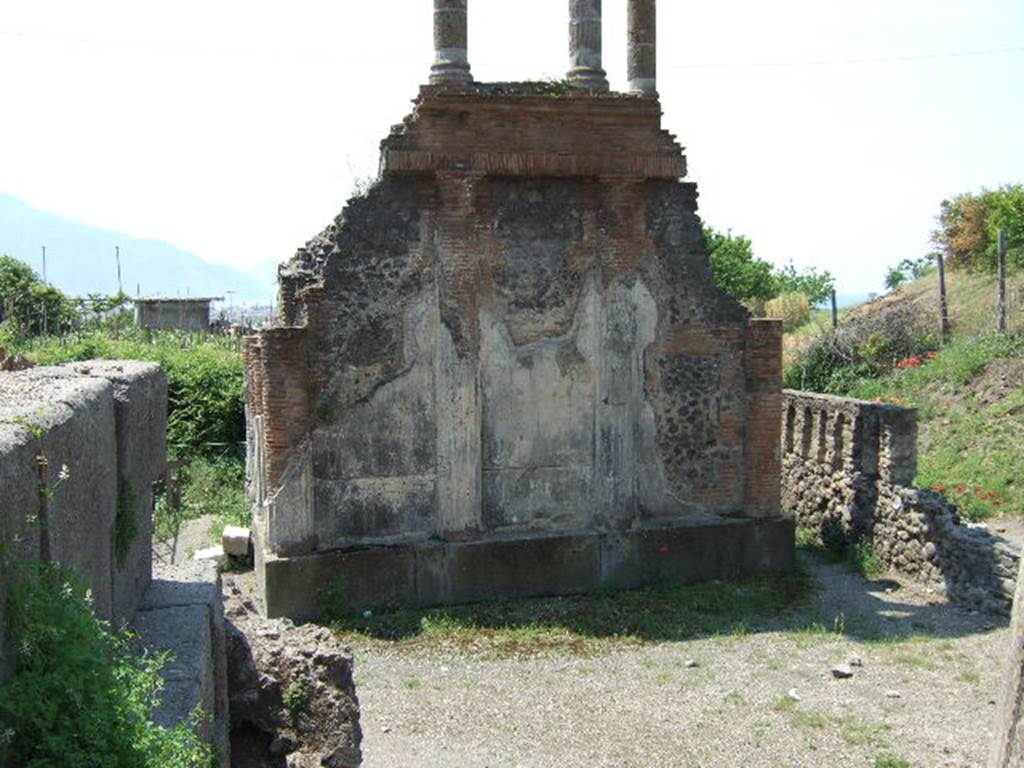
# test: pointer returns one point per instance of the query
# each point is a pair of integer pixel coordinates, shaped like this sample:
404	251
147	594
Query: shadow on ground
820	598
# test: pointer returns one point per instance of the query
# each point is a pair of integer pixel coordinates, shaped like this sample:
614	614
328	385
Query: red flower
663	549
939	488
960	488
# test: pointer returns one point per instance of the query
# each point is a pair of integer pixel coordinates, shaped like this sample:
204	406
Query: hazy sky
826	130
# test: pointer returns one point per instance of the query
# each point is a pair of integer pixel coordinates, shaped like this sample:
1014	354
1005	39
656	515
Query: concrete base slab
430	573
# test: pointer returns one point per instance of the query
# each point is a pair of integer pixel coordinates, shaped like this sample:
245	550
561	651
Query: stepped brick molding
847	475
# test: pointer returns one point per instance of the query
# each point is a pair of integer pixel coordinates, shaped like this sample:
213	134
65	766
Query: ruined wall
514	333
173	314
847	474
104	421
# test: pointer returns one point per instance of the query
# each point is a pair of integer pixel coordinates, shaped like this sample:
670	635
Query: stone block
214	554
235	541
182	613
73	421
713	549
376	577
432	572
140	422
523	567
184	633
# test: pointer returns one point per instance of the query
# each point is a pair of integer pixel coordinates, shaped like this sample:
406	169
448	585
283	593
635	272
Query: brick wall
514	331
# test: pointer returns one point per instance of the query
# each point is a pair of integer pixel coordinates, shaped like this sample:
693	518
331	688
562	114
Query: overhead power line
844	62
193	49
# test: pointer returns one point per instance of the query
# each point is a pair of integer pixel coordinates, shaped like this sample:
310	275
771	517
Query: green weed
78	697
583	625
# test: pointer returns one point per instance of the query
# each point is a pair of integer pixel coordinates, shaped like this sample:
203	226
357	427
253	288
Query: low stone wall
92	434
848	468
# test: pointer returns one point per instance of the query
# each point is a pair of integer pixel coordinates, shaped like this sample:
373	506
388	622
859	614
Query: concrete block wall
847	475
100	426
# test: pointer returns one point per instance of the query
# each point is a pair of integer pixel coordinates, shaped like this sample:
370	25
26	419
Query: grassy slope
971	398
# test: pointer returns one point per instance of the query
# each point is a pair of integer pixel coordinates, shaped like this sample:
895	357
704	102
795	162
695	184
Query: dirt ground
926	676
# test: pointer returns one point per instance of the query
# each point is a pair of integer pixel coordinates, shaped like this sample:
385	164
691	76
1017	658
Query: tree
969	224
815	285
894	278
744	276
736	270
908	270
29	306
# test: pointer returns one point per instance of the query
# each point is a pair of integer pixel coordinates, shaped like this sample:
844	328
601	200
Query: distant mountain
80	260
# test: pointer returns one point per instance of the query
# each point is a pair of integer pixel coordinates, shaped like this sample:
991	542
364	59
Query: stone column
585	45
451	63
641	54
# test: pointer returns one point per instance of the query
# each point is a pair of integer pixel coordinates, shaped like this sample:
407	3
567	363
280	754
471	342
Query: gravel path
927	697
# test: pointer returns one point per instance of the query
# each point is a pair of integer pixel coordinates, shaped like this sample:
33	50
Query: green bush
204	379
78	697
862	348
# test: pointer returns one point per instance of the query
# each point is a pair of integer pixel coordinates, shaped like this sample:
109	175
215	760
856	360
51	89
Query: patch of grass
970	675
798	718
866	560
296	701
922	652
207	486
967	446
582	625
413	684
890	761
861	732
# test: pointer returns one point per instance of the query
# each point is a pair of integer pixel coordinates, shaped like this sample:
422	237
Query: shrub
864	347
78	697
792	308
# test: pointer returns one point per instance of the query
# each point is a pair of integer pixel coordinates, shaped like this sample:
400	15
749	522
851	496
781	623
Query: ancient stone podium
505	370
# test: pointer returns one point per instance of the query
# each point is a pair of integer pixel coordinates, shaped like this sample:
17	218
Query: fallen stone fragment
793	695
892	695
691	663
214	553
857	661
291	691
236	541
841	673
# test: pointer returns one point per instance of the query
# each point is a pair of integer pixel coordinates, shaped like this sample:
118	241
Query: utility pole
45	323
117	258
1002	281
943	309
